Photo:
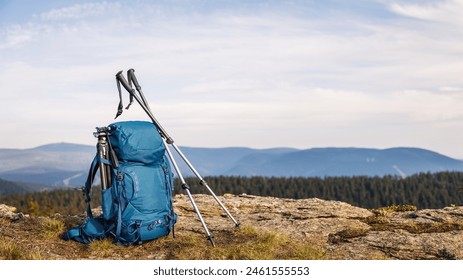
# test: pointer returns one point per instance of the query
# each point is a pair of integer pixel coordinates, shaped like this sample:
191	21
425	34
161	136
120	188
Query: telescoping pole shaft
187	190
203	183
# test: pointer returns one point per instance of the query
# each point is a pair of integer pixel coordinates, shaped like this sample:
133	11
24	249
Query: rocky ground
339	230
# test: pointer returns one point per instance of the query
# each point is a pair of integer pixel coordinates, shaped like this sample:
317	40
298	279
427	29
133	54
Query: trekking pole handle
120	77
132	78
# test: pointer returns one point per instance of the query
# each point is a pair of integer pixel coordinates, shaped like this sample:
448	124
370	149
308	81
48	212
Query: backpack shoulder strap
92	228
87	190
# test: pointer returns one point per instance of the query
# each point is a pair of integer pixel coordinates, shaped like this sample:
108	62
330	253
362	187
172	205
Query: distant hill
321	162
223	161
61	164
66	164
8	187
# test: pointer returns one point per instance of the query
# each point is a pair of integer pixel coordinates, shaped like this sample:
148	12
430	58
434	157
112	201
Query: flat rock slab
342	230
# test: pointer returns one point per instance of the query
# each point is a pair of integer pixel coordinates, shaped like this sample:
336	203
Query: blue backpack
137	205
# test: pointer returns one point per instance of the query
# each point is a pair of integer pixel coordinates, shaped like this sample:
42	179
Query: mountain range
66	164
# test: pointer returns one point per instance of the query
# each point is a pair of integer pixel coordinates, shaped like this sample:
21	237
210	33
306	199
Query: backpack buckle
120	176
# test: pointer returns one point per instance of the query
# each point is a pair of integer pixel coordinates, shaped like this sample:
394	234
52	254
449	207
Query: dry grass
254	244
246	243
381	221
51	228
434	227
102	249
14	251
384	211
40	238
286	247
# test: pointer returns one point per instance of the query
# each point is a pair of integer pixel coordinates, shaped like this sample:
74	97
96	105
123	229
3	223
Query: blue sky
261	74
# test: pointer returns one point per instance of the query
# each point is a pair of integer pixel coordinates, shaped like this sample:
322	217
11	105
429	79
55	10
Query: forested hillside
9	187
424	190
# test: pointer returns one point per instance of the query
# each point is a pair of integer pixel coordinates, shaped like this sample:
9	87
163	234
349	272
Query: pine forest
424	191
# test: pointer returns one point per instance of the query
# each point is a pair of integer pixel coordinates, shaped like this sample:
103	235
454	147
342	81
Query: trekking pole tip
211	239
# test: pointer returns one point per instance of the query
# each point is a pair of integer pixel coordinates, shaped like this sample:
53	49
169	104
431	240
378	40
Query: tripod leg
102	148
202	182
187	190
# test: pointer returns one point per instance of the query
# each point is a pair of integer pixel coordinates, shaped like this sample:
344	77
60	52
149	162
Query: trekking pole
203	183
187	190
144	104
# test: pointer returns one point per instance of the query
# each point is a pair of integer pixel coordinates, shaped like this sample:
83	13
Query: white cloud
16	35
80	11
446	11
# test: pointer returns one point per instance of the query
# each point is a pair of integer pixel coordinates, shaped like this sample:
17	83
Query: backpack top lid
136	141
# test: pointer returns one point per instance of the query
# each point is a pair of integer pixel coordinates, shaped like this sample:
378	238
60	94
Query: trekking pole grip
123	81
131	77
